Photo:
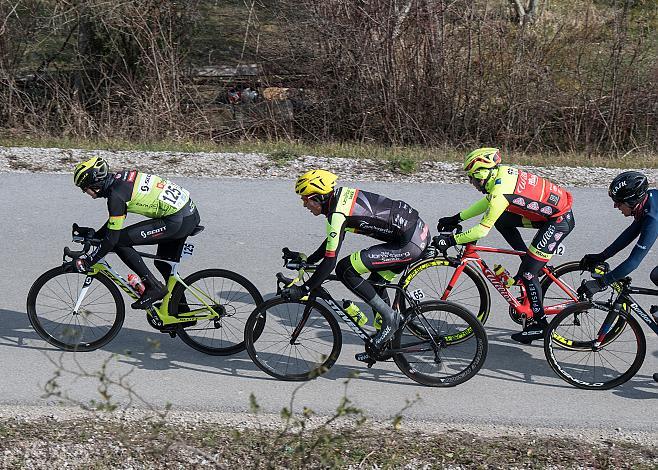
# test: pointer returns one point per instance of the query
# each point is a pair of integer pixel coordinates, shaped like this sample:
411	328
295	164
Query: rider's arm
496	206
117	208
624	239
474	209
335	234
318	254
648	235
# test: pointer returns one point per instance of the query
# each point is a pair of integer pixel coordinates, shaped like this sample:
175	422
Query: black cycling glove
294	292
592	286
590	260
444	241
446	224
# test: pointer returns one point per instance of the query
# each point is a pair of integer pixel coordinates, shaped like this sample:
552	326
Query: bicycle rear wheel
457	352
229	294
577	362
571	275
51	303
429	279
311	354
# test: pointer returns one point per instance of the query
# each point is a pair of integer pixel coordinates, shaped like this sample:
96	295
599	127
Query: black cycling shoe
655	377
531	332
154	291
365	357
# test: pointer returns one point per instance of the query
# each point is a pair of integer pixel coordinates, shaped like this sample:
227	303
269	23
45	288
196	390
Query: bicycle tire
75	336
433	274
236	307
571	275
461	370
280	317
583	372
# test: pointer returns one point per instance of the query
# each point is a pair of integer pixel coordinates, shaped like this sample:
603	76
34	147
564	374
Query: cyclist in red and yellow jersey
515	198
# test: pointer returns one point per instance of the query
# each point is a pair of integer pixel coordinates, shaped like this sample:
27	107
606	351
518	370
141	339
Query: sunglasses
312	198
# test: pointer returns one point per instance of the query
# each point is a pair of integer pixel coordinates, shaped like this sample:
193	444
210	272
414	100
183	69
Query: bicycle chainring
154	320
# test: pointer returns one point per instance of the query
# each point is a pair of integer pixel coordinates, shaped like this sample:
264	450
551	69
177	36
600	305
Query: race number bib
174	195
418	294
188	251
559	250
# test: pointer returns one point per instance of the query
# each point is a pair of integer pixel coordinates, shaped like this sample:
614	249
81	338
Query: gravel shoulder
43	438
253	165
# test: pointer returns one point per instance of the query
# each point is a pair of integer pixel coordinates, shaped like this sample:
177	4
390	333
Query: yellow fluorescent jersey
144	194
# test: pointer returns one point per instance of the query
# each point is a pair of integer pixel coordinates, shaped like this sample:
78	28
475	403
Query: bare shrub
526	75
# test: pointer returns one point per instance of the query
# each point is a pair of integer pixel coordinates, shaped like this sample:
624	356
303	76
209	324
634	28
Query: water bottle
136	283
355	313
503	275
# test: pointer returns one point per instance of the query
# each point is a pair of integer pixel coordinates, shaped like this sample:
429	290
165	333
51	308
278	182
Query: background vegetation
531	76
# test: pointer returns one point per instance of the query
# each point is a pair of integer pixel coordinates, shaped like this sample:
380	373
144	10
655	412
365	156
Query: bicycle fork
606	326
82	294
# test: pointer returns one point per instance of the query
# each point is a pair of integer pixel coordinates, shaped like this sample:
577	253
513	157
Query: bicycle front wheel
452	349
581	364
310	354
428	280
51	310
231	295
571	276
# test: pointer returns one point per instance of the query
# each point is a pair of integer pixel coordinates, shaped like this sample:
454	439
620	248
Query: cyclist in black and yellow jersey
515	198
397	224
172	217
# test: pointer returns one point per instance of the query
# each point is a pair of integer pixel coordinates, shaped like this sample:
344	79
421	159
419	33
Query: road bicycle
438	343
463	279
83	312
606	345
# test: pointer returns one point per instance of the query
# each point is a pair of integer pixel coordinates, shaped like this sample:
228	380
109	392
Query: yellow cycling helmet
90	173
315	182
478	163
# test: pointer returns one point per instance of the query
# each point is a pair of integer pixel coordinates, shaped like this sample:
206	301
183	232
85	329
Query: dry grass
114	443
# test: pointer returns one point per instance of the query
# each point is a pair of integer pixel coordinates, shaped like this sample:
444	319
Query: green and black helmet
91	174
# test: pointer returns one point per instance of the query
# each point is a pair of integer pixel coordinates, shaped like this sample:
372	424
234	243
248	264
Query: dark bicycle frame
624	302
323	294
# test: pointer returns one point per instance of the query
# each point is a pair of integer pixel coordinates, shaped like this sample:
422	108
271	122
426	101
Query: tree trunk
525	14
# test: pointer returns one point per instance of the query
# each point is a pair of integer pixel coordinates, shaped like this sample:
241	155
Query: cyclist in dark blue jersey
630	193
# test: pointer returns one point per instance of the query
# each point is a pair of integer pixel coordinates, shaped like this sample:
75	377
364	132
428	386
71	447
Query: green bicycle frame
162	312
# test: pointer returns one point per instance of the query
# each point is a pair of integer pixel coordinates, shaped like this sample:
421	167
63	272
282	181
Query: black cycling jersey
370	214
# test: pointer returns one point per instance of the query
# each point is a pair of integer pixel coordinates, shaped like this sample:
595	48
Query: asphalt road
247	223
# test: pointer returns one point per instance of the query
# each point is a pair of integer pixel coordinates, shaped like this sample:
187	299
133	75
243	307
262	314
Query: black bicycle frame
322	293
628	303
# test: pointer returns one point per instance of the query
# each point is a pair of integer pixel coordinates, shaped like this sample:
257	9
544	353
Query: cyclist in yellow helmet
172	218
397	224
515	198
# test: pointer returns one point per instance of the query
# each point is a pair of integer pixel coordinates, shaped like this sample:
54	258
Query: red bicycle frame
470	254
